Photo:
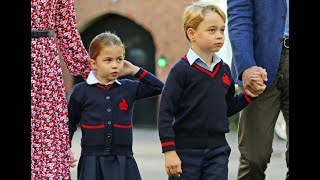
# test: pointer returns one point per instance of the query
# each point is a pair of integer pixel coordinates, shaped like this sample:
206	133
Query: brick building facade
162	19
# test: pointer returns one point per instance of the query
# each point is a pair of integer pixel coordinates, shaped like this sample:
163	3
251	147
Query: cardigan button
107	149
108	109
109	122
109	136
108	97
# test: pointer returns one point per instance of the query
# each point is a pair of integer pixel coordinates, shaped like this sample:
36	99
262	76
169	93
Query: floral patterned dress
49	122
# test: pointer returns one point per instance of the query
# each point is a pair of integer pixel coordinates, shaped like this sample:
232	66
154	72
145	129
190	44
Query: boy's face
209	36
109	63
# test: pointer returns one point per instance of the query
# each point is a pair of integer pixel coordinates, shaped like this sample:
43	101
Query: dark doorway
140	50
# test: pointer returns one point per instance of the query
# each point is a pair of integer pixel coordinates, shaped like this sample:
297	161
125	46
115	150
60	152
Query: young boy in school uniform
197	99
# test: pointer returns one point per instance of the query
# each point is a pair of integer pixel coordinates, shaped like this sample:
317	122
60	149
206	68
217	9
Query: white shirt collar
91	79
193	56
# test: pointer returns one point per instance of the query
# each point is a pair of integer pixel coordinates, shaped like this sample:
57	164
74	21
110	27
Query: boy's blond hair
194	14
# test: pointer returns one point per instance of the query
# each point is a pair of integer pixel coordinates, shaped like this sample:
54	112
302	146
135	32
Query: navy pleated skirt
108	168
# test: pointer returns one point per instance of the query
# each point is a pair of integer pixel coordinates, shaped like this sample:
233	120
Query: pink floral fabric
49	121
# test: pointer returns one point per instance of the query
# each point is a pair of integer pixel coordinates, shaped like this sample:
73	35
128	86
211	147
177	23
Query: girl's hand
128	69
72	160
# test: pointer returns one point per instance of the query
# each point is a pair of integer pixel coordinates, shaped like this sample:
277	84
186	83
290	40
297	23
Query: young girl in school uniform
103	105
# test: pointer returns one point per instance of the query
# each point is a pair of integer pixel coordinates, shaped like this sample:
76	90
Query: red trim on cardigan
109	86
143	74
100	85
246	96
122	126
170	143
93	127
103	86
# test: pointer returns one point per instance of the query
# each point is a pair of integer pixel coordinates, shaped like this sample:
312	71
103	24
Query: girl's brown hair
102	40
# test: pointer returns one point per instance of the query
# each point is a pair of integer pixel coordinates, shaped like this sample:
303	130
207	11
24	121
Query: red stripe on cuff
143	74
246	96
170	143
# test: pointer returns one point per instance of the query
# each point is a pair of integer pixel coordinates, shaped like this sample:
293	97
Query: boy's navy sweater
105	113
195	106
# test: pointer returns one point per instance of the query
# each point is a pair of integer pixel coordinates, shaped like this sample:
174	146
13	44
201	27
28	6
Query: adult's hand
251	88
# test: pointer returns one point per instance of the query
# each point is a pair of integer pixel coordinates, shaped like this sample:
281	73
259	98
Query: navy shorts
204	164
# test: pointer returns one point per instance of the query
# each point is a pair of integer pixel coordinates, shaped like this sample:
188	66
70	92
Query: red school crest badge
123	105
226	80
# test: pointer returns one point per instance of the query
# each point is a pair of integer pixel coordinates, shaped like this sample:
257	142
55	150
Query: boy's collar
193	56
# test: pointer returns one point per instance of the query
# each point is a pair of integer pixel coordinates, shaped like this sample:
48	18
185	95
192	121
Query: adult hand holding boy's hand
173	163
258	81
252	88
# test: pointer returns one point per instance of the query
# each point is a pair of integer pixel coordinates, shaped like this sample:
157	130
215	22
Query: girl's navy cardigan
105	113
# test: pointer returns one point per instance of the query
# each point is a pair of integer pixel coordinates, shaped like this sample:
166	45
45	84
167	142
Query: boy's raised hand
129	69
173	163
72	160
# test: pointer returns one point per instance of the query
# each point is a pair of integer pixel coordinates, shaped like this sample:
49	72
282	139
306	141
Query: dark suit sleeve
149	85
240	26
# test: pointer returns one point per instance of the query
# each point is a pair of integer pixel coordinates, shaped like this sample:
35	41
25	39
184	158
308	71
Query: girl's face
209	36
109	63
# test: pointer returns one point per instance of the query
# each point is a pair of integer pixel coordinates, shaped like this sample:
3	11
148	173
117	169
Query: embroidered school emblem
123	105
226	80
